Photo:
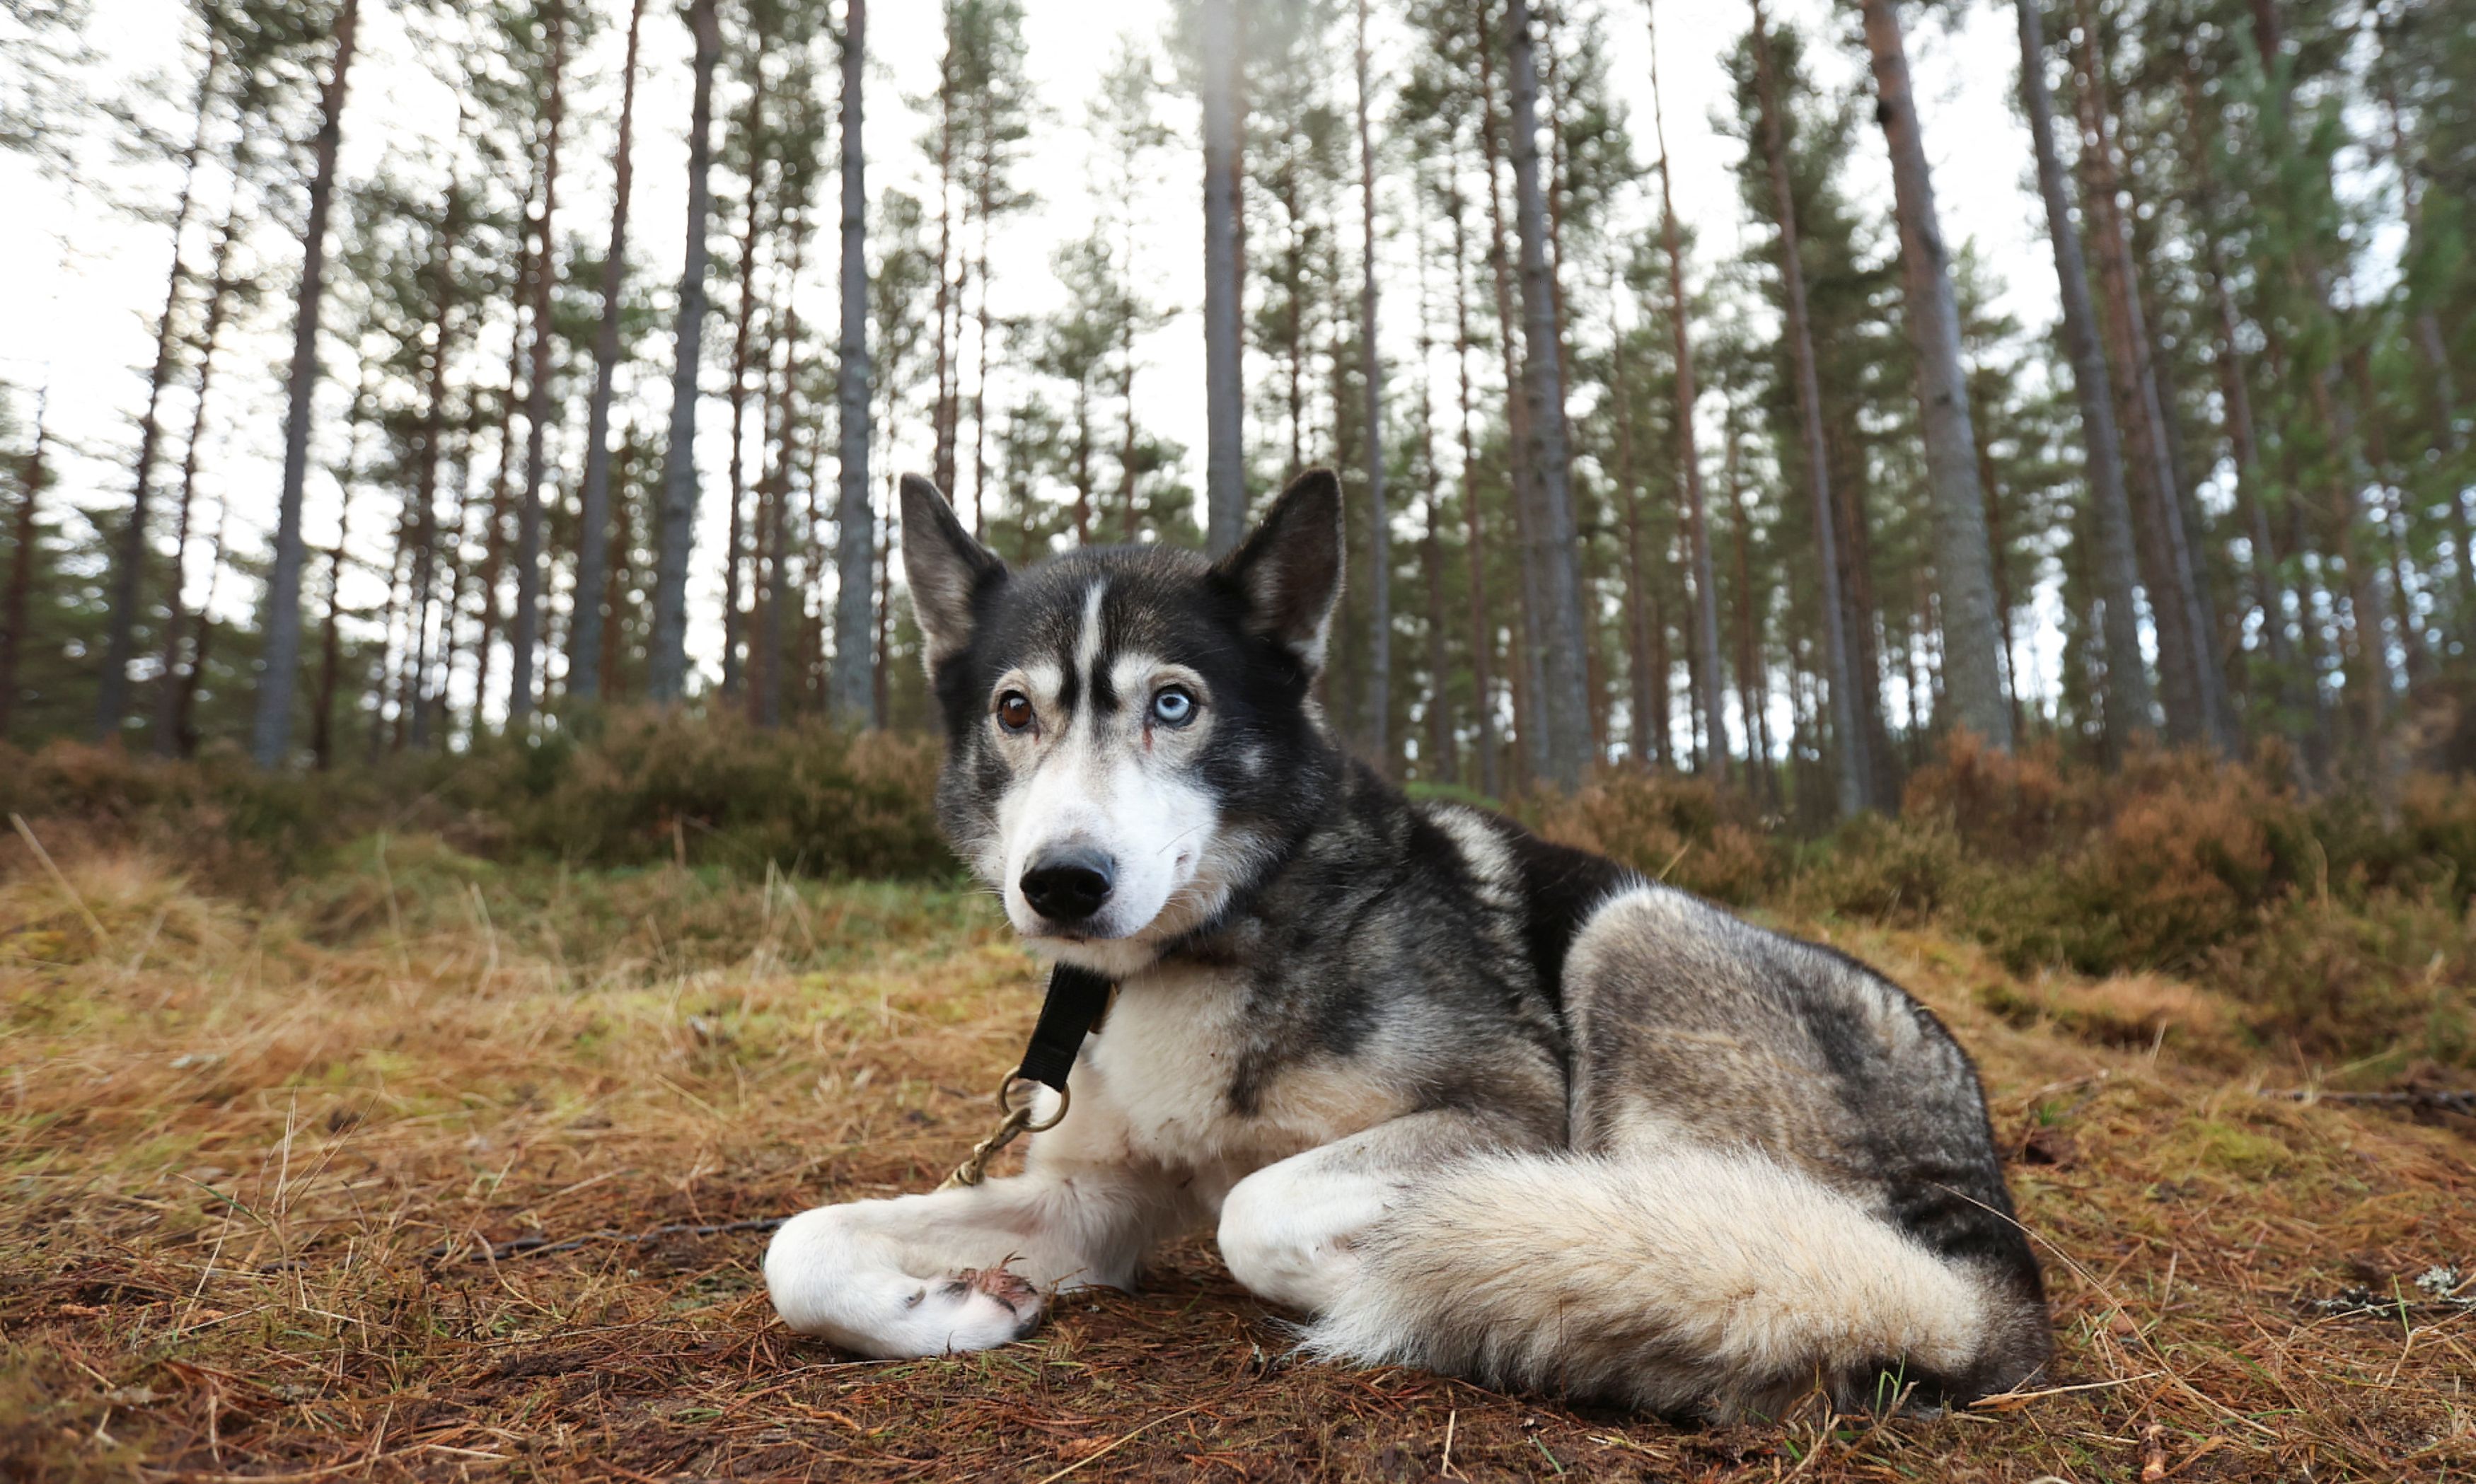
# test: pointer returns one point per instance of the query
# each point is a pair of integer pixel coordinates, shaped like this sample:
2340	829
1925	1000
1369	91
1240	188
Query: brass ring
1065	1098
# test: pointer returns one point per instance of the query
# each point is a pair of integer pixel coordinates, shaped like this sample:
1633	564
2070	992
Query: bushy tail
1693	1280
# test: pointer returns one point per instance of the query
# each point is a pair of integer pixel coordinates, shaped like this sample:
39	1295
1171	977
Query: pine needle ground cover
353	1178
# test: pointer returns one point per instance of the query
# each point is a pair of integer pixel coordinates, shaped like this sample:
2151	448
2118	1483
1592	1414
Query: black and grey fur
1470	1099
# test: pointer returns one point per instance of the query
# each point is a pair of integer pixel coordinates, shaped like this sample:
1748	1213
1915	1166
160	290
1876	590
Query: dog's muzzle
1069	884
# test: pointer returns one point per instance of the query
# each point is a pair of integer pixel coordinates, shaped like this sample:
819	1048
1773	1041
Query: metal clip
1016	1122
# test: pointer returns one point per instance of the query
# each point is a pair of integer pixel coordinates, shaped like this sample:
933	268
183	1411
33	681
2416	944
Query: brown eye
1014	711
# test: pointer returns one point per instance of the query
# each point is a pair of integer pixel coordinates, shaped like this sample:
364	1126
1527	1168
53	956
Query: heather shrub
2004	805
2387	976
1684	832
2175	872
624	788
1902	870
649	785
218	816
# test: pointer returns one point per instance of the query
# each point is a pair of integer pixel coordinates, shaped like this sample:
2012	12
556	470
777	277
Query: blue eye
1172	706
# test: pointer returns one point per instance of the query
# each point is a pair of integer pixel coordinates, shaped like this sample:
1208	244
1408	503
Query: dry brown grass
253	1154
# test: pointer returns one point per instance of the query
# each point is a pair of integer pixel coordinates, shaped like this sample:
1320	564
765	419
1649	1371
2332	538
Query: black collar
1076	999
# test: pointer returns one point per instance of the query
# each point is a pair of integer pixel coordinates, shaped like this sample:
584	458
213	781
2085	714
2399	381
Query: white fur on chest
1169	1053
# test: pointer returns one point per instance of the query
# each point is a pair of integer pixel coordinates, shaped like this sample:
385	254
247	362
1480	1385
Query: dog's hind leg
1291	1231
971	1268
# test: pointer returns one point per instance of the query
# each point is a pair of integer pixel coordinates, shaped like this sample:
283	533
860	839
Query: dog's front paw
829	1276
986	1307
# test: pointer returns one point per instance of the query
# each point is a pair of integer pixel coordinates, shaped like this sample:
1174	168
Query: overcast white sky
85	283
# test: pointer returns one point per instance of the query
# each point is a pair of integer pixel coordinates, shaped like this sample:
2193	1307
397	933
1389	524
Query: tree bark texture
666	679
855	525
2129	701
593	533
1706	596
524	638
1225	464
271	731
1963	564
1853	768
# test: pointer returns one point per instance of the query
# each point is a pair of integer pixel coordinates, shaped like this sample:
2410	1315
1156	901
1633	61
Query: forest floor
264	1161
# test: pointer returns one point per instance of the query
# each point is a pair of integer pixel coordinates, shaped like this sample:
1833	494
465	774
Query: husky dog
1471	1100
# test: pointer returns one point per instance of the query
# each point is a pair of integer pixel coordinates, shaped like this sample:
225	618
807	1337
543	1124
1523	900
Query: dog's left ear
1289	567
945	568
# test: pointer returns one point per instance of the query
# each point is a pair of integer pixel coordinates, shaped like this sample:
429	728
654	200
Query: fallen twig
94	924
1122	1441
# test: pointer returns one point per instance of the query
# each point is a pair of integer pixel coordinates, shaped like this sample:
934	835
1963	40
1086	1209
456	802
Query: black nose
1068	885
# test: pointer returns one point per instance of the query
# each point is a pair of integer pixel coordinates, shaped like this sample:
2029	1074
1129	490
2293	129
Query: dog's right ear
1289	567
944	569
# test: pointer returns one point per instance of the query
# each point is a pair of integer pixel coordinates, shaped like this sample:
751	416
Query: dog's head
1129	733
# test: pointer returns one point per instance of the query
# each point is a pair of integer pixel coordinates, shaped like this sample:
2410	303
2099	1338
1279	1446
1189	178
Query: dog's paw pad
1001	1285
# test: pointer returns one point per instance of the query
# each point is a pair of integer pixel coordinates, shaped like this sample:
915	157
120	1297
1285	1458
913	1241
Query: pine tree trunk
17	603
1854	769
879	696
854	524
185	726
2235	390
1380	538
616	584
770	674
735	623
1527	670
271	734
1706	597
2449	440
1225	464
666	678
1126	521
762	528
524	639
2367	677
331	632
129	561
986	211
165	739
503	488
949	292
412	701
1566	705
1441	760
2129	701
1989	481
2187	662
1648	746
1753	685
1964	566
1482	633
593	530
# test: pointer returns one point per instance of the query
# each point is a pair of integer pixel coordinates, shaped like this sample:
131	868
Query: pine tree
524	638
1224	281
1962	566
666	680
585	635
1379	521
271	736
129	561
1567	708
1853	772
17	602
855	525
1706	597
2128	698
